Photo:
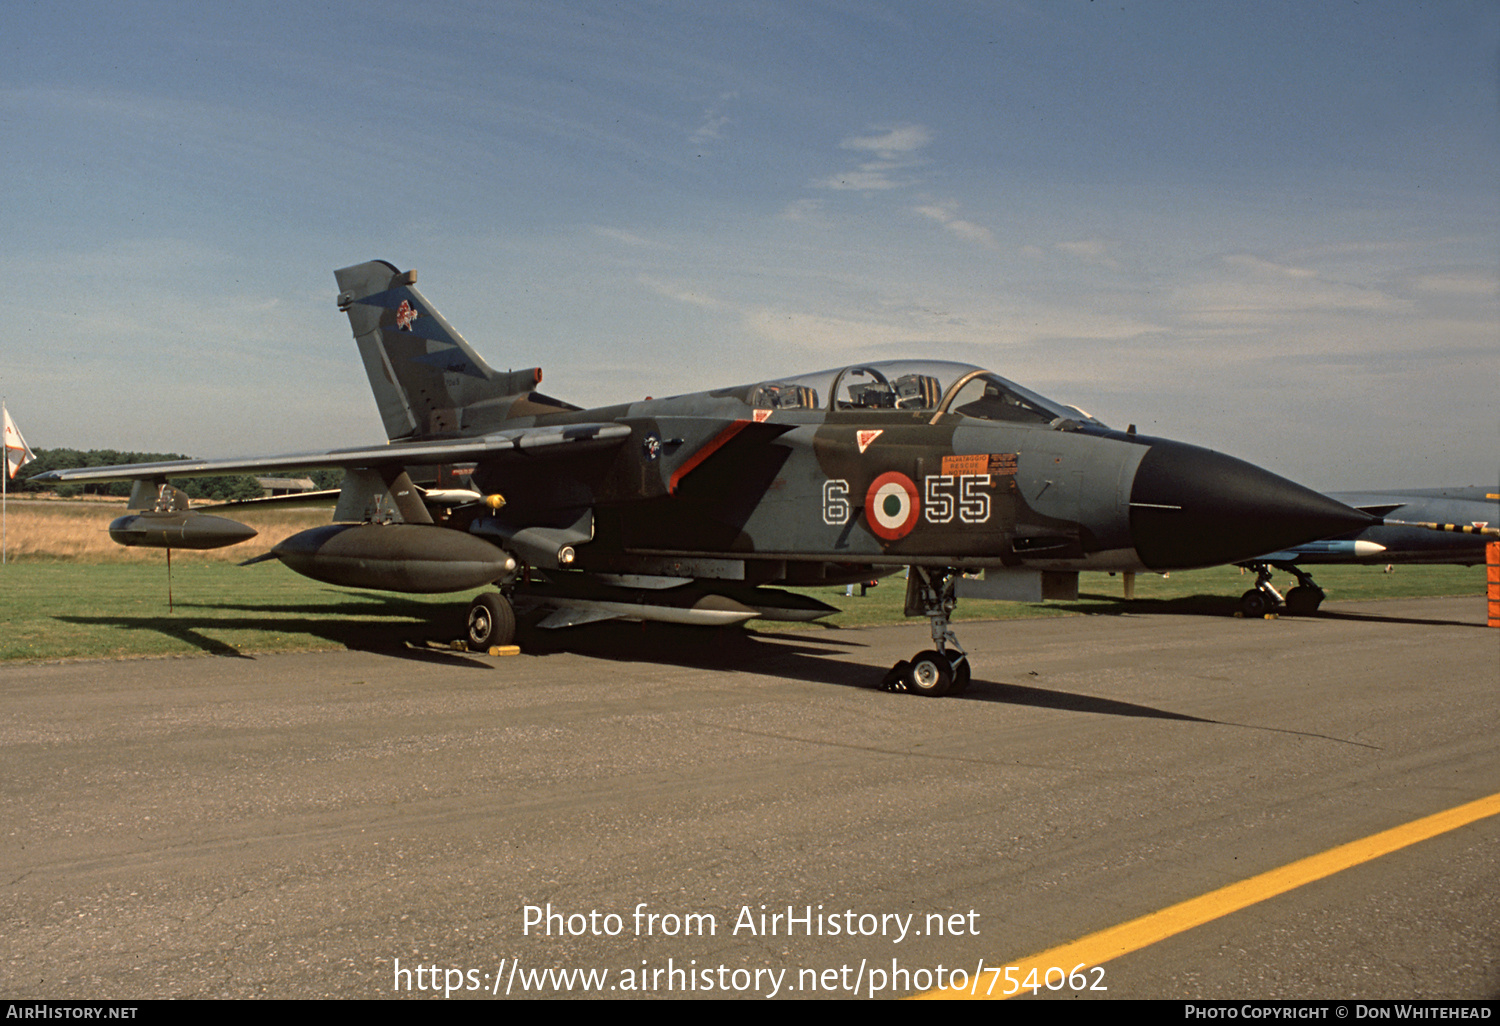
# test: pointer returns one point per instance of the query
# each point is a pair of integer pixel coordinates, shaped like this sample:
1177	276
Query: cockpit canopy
916	386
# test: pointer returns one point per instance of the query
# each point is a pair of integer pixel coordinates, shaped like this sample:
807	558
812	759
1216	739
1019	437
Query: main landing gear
492	622
1302	600
943	669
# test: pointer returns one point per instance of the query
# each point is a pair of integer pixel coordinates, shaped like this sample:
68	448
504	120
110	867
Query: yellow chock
505	650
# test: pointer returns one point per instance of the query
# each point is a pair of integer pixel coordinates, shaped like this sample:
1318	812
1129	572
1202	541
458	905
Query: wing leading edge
536	442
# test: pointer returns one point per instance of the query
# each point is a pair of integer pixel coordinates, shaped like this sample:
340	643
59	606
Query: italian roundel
891	505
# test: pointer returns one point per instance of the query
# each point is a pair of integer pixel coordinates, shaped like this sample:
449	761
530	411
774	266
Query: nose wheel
943	669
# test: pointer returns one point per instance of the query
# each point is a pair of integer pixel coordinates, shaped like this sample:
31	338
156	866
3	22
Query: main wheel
1304	599
897	678
931	674
492	621
1255	604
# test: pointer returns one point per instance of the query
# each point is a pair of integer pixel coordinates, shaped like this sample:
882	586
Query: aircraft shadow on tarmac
1228	605
395	626
816	657
364	622
1377	618
1184	605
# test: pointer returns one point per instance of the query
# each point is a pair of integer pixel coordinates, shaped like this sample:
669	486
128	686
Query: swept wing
518	443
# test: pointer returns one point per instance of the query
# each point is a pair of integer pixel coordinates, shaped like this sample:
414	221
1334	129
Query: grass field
77	531
61	599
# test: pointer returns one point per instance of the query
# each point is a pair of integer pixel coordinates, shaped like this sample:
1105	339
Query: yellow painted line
1098	948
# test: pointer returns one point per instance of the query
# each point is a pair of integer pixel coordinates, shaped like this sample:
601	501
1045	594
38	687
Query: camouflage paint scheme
830	477
782	469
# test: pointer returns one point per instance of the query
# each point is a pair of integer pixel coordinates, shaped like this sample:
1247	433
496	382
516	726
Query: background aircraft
685	509
1434	525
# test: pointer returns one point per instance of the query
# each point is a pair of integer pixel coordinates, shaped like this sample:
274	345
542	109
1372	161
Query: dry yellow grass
40	530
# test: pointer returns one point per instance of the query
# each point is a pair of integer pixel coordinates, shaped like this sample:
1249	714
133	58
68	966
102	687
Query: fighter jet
1438	525
688	509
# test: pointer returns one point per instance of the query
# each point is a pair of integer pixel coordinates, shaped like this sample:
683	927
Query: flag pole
7	469
4	488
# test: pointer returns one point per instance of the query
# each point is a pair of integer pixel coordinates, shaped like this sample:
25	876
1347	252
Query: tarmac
671	813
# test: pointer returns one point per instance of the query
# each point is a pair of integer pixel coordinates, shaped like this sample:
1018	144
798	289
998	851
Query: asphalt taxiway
314	825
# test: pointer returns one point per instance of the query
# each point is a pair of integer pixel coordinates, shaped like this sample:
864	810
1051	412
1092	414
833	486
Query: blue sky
1269	228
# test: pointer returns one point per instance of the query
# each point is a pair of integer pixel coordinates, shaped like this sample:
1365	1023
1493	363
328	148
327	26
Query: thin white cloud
1467	285
946	214
830	335
1258	266
1251	291
1093	251
897	154
869	178
679	293
629	238
711	128
891	143
984	329
807	211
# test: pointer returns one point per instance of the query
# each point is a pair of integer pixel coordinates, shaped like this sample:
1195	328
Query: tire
1255	604
896	677
961	676
931	674
1304	600
492	622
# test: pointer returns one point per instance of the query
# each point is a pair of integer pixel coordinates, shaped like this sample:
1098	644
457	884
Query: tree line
219	489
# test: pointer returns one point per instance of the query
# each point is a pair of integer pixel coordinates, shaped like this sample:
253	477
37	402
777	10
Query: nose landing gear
943	669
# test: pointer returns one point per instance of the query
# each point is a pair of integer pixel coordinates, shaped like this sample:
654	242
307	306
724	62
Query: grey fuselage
1471	506
729	474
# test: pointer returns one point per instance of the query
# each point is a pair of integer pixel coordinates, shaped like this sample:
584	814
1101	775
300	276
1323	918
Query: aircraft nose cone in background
1195	507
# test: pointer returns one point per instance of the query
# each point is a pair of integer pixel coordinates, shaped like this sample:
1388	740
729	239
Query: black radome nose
1194	507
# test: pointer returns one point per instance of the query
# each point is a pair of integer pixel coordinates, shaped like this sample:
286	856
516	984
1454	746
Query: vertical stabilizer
428	382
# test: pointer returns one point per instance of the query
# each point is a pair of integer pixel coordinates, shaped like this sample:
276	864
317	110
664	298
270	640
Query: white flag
17	452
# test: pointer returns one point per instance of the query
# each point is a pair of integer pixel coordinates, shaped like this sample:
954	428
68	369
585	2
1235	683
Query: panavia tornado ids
687	509
1423	525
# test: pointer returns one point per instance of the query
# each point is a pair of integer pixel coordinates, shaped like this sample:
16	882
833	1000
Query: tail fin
428	382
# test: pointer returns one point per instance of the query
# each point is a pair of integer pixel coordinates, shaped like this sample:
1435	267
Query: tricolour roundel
891	505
